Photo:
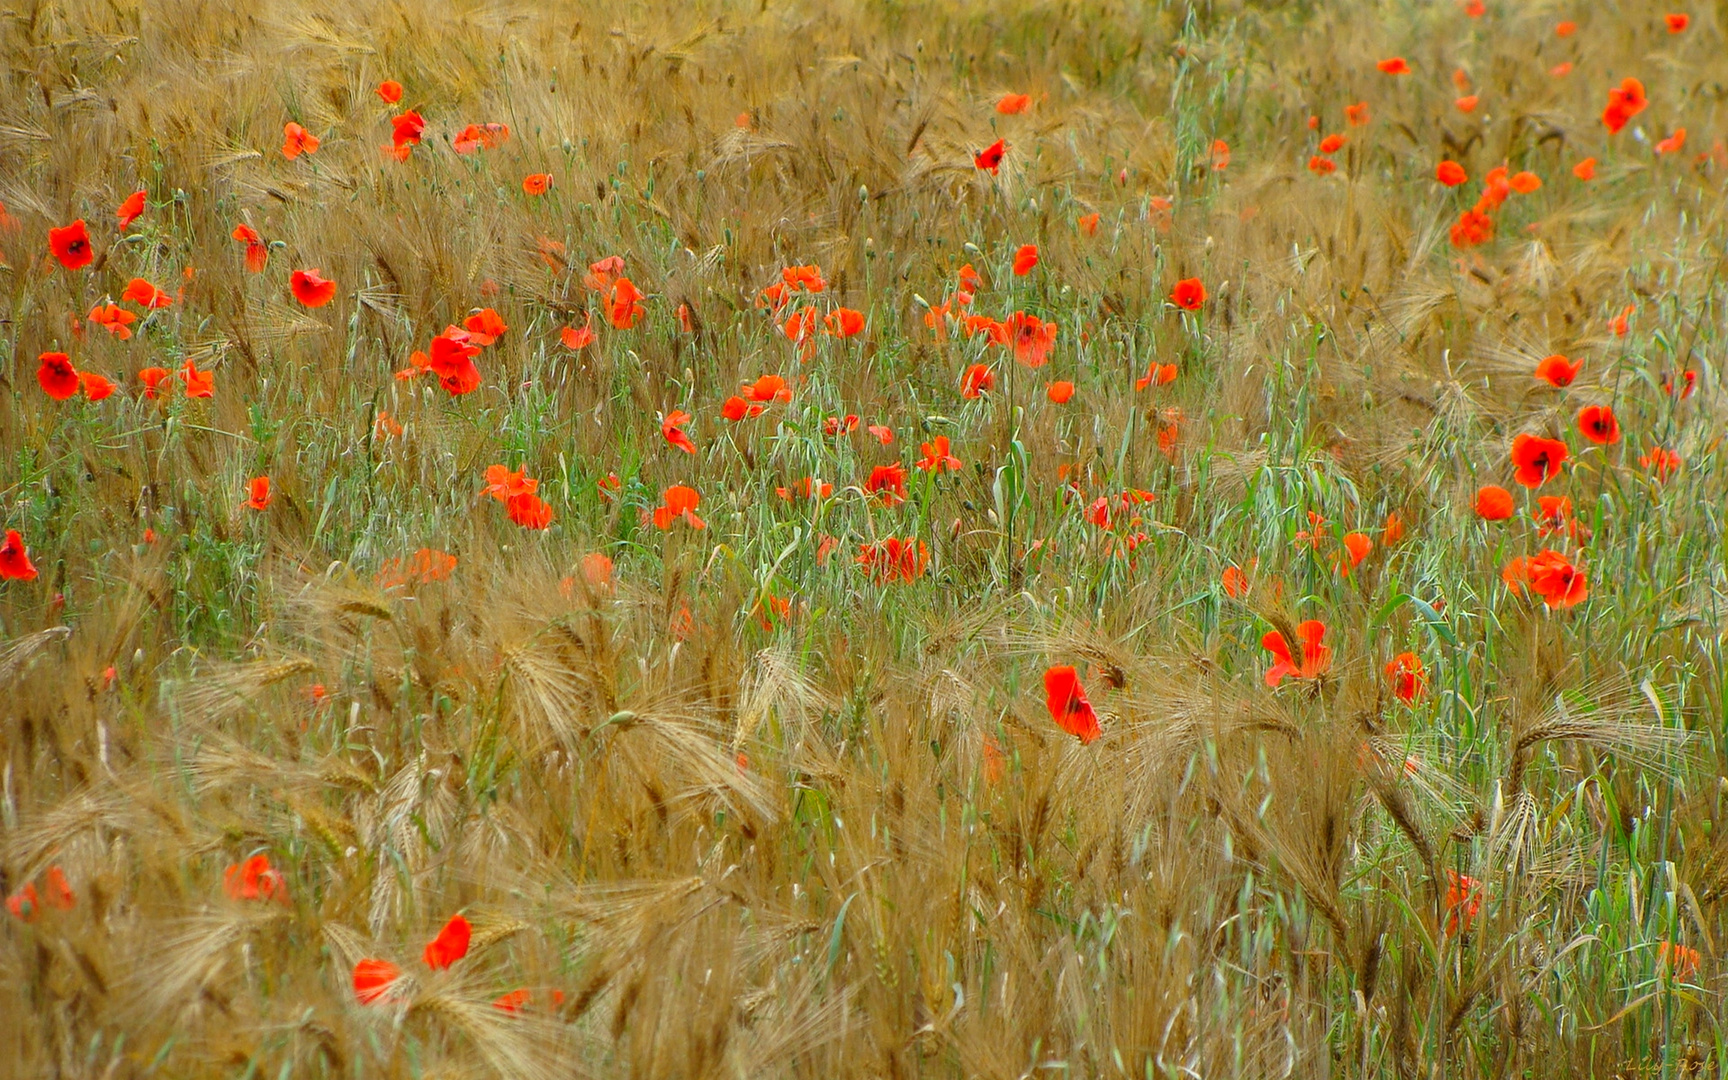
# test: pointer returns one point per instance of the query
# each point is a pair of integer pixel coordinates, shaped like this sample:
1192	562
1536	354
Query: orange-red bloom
1661	462
1597	423
255	879
1025	259
296	140
1356	548
15	564
311	288
1089	223
578	337
258	493
131	209
977	379
736	408
153	379
537	183
1322	165
1066	700
484	326
1537	460
1674	960
1032	338
937	456
58	377
1586	169
113	318
1011	104
1394	66
1557	371
1356	115
449	946
405	130
1463	901
71	245
1188	294
1472	227
199	384
1060	391
390	91
991	156
1493	503
844	322
257	254
96	387
1677	23
1673	143
480	137
141	292
451	358
889	481
1467	103
1551	576
1316	657
678	502
1333	143
1624	102
624	308
672	430
373	980
894	559
1405	673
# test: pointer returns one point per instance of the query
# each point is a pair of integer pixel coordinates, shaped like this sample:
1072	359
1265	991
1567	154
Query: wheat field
863	539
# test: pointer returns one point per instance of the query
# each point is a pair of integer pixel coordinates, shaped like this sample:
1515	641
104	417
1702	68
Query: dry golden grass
738	809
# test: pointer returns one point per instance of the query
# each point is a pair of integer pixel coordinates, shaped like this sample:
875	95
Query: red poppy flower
1553	577
1554	514
894	559
373	980
153	379
1089	224
678	502
1467	103
977	379
1565	29
1677	24
131	209
1356	548
768	388
1033	338
808	278
141	292
807	488
1066	700
311	288
537	183
1597	423
672	429
529	511
1356	115
1331	144
450	945
96	387
1188	294
484	327
1472	227
476	137
296	140
1624	102
199	384
1394	66
1322	165
59	889
937	456
405	130
1463	901
1220	155
25	905
257	254
1405	673
1060	391
1234	582
259	496
889	481
578	337
623	307
882	433
1557	371
1673	143
736	408
840	425
1450	173
1316	657
1524	182
71	245
991	156
1156	375
1618	323
15	564
114	318
1661	462
1025	259
1677	960
451	358
58	378
502	484
1012	104
255	879
390	91
1495	189
844	322
1493	503
1536	459
1586	169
